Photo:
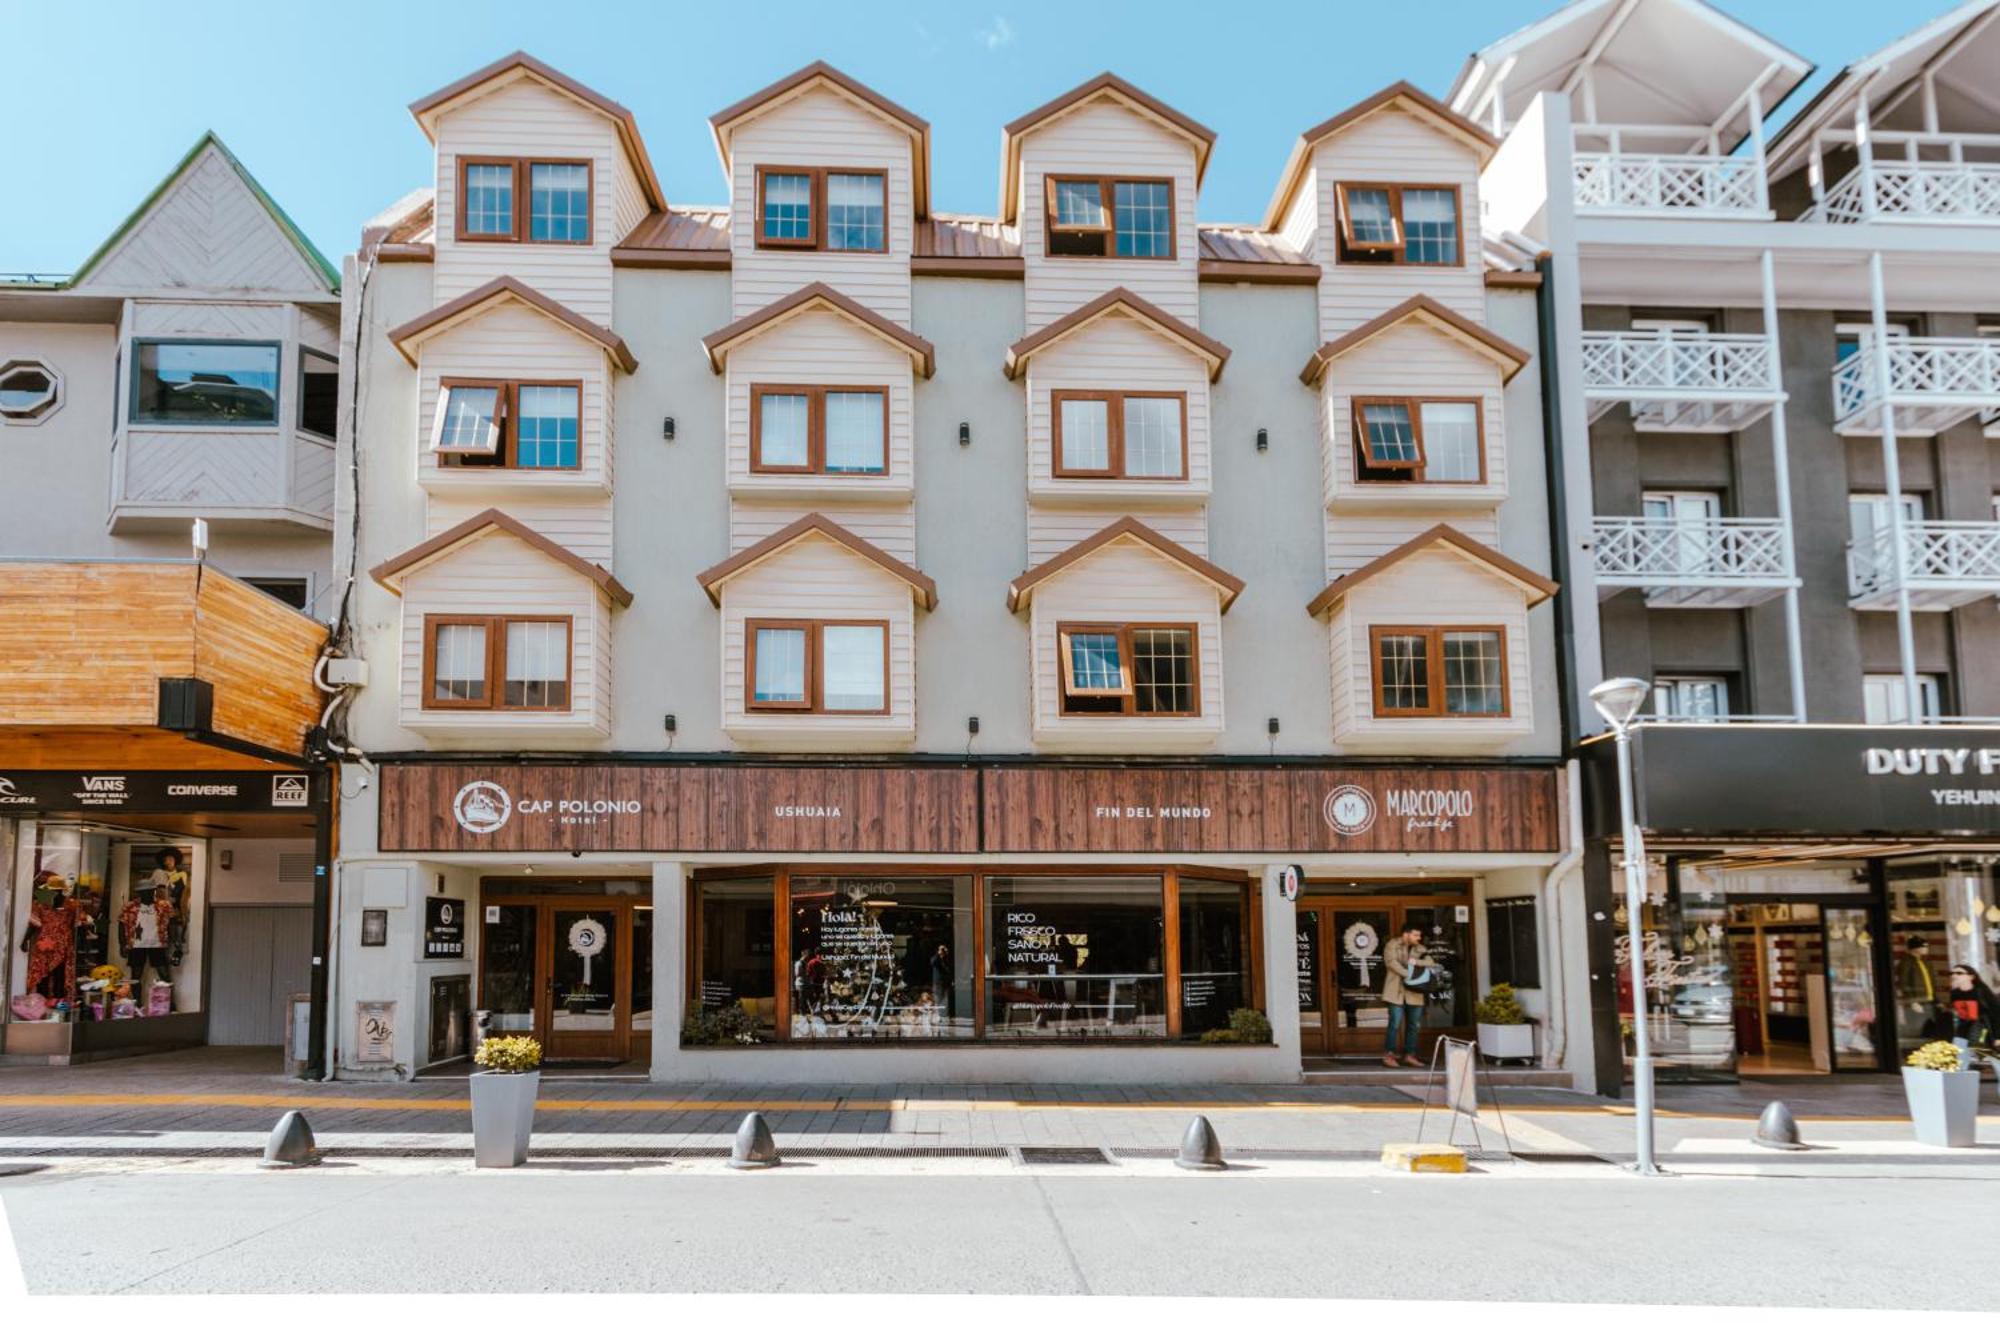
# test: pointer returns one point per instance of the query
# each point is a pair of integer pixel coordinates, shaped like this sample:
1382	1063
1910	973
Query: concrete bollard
1200	1149
291	1143
1777	1129
755	1149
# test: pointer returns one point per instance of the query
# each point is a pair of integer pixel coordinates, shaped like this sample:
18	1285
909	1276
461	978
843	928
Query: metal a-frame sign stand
1450	1051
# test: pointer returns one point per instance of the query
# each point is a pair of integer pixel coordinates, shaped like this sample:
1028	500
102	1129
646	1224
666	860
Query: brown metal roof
696	236
964	236
1233	252
389	572
921	584
1537	588
509	286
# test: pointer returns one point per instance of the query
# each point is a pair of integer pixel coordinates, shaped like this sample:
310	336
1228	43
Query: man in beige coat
1404	957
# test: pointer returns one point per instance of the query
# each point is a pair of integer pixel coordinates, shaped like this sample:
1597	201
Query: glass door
1850	980
1447	939
1359	937
1311	968
586	959
561	967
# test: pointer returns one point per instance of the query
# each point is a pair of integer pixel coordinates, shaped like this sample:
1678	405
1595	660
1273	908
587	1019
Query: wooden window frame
814	703
1398	251
815	395
1433	636
1114	433
1128	692
1417	469
1107	187
506	454
523	169
496	664
817	201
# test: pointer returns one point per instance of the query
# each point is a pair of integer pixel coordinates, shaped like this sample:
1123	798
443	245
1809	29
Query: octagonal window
29	391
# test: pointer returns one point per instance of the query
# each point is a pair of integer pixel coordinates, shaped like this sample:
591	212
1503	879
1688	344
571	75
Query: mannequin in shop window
171	879
145	932
50	940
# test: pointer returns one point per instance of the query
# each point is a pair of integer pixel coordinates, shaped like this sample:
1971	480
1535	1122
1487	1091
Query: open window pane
855	214
1085	428
1163	671
788	207
1451	441
459	664
782	430
1152	437
559	201
1371	221
1095	664
469	419
853	668
214	383
1403	673
781	667
1430	226
1079	204
489	199
537	665
545	426
1144	217
1388	436
1472	674
855	426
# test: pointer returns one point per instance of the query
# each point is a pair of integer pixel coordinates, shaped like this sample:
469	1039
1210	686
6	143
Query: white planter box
503	1116
1507	1041
1944	1107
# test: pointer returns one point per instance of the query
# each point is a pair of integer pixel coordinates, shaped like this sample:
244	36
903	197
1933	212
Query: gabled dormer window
1399	224
1439	671
514	663
822	208
521	199
1106	217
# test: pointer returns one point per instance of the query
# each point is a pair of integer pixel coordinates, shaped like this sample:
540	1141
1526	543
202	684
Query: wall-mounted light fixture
667	430
965	434
1263	440
226	859
972	726
1271	725
672	724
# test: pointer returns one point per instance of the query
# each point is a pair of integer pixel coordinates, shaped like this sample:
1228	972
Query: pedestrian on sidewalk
1406	962
1975	1010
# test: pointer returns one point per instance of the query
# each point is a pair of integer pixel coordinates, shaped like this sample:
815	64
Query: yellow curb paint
1424	1158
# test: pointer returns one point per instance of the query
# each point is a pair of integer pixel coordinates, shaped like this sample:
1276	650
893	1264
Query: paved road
1521	1232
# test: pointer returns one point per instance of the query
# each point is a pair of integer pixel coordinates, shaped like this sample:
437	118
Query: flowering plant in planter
1943	1093
1504	1030
1939	1055
1500	1008
509	1055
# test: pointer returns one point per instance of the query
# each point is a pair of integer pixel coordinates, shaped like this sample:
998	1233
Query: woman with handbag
1409	970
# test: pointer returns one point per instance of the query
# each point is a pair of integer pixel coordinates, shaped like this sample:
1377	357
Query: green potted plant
1504	1030
1943	1092
503	1099
1247	1027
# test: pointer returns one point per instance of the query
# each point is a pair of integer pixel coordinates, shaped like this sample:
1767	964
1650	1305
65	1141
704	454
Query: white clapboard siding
1053	529
208	231
509	340
1436	587
1416	360
820	128
1123	582
816	348
525	119
1353	538
818	579
1395	146
1100	138
1117	352
579	523
1300	225
499	574
893	527
250	321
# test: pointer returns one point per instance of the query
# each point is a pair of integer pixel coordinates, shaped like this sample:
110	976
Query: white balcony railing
1681	380
1933	383
1947	564
1722	562
1966	192
1671	184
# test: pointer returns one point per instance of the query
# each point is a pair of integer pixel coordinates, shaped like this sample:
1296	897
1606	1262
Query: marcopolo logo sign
1349	810
482	807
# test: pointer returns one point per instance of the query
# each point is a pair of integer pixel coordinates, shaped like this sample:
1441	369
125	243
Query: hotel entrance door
575	970
1341	941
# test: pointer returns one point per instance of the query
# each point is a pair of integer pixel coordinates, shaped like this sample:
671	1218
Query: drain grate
1031	1155
1562	1158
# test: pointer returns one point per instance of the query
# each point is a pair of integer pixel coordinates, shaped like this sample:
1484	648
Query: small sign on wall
375	1032
444	928
374	927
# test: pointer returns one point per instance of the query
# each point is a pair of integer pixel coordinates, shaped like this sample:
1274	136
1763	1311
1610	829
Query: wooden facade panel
259	654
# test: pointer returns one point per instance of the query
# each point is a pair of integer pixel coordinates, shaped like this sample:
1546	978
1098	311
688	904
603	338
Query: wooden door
560	965
1341	943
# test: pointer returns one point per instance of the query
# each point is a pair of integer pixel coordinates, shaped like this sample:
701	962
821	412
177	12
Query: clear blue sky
104	96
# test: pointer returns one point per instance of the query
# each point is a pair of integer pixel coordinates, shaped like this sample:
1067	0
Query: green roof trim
327	272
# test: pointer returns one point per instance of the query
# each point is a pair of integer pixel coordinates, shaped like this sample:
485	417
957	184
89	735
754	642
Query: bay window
822	208
1419	440
1399	224
1143	670
511	663
816	666
830	430
1108	217
508	424
523	199
204	382
1119	434
1439	671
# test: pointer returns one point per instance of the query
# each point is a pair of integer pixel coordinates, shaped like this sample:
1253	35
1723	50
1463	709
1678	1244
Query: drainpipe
1558	494
1556	1049
325	783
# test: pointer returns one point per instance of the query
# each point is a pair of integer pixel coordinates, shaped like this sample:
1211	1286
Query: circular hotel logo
481	807
1349	811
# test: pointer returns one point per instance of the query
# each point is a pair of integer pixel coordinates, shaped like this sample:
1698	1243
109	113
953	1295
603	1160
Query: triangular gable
1022	589
412	335
1447	321
1119	300
521	65
922	586
1400	96
818	296
1533	586
1106	87
723	124
391	572
208	196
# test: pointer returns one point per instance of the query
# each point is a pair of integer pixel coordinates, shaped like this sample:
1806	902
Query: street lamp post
1617	700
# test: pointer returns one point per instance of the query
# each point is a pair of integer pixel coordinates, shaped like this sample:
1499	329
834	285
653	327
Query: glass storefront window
1943	913
1691	998
1215	953
738	951
1075	957
881	958
507	967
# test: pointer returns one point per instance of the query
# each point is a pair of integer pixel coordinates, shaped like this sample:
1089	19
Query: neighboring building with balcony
843	625
1778	369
